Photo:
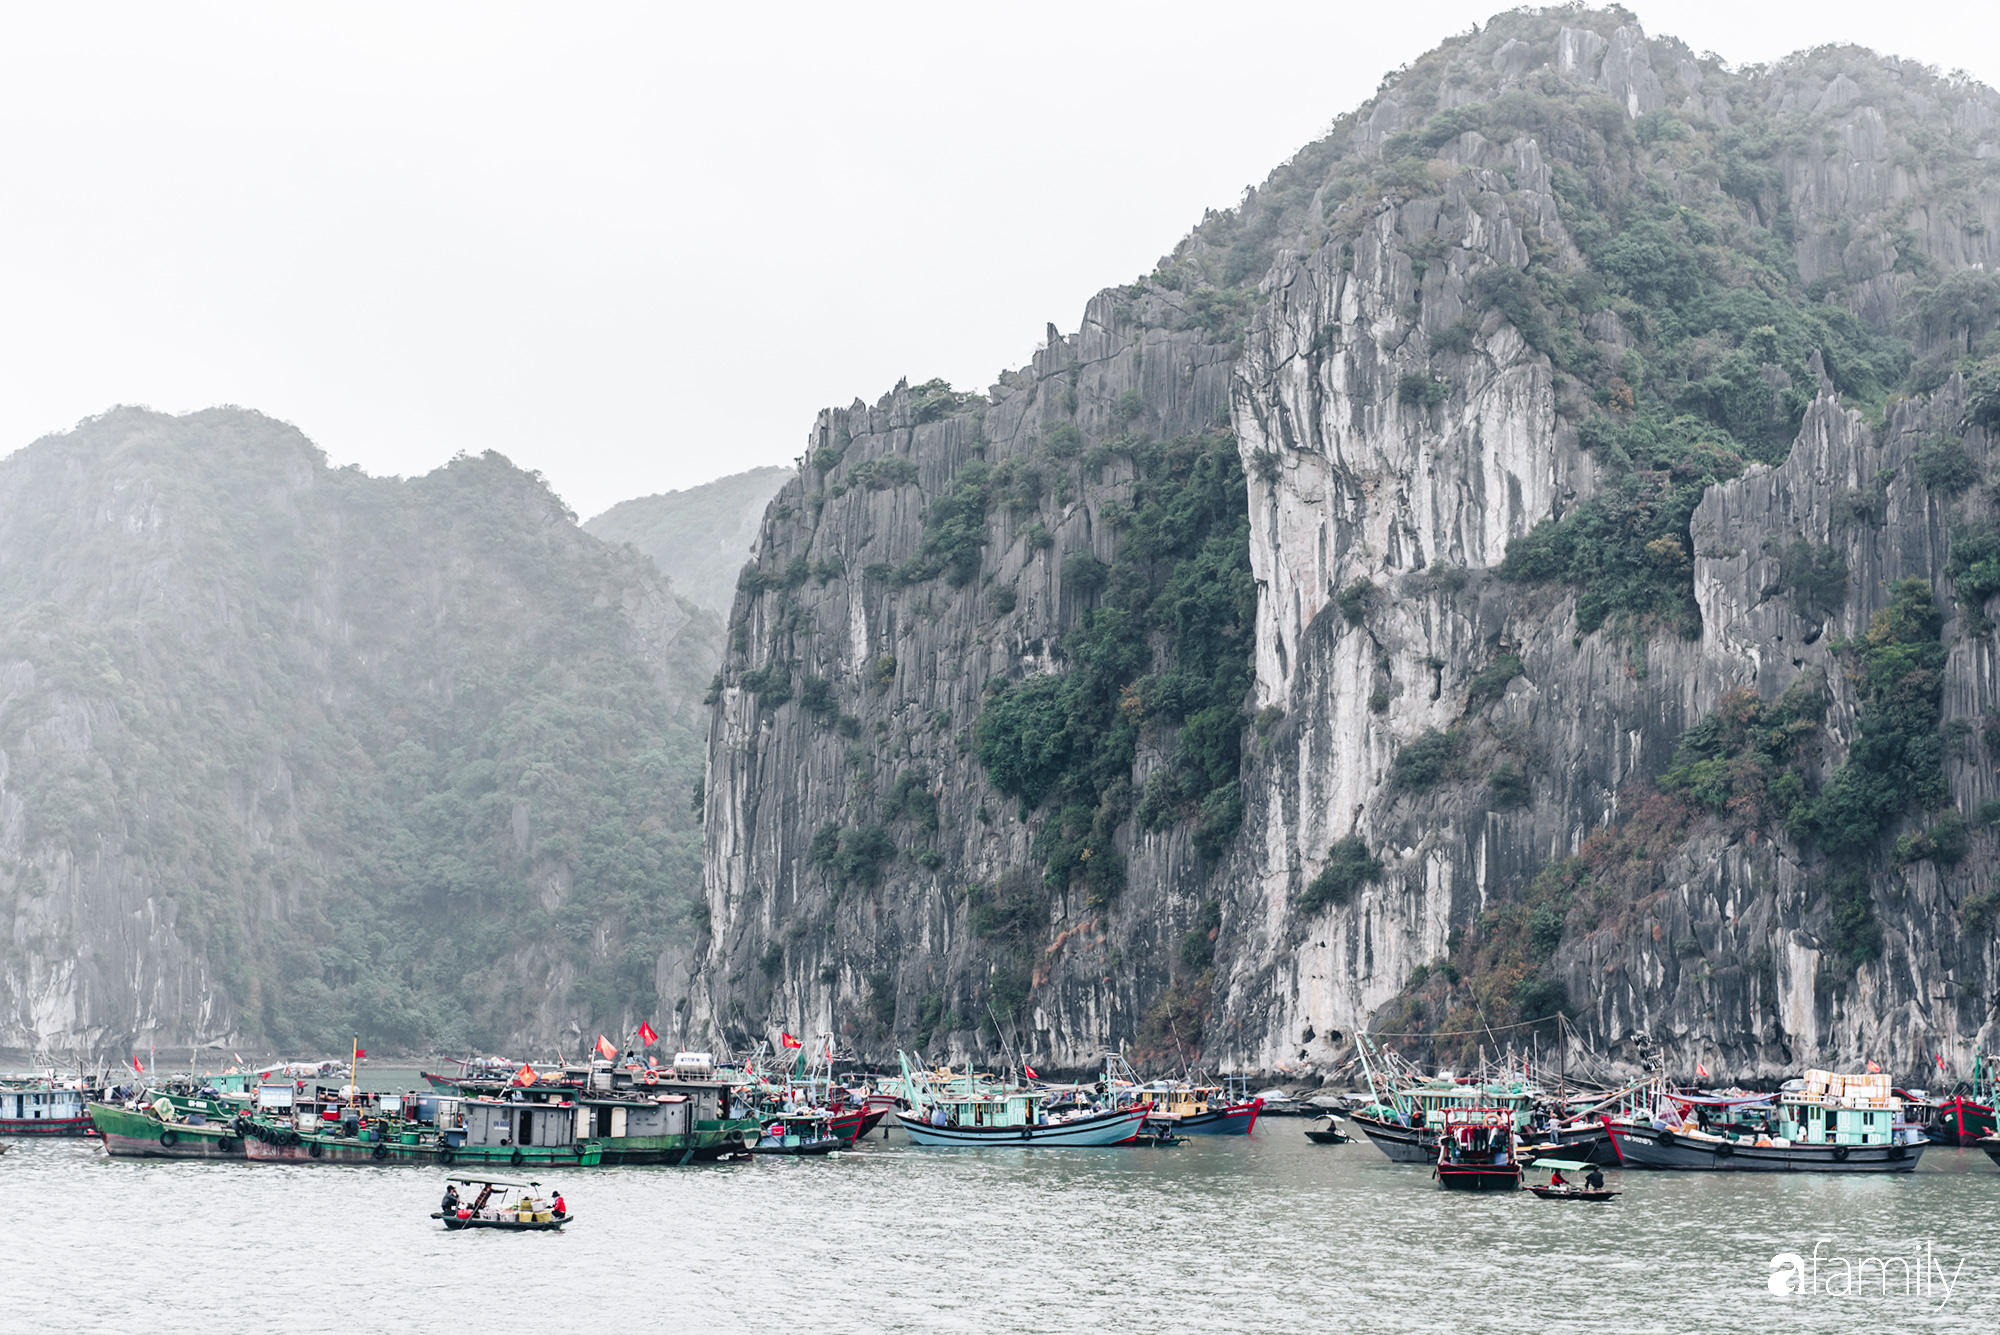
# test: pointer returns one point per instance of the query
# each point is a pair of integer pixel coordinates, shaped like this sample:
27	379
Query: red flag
788	1040
1030	1070
653	1062
1699	1069
604	1046
359	1053
1873	1069
646	1034
526	1075
142	1070
1940	1058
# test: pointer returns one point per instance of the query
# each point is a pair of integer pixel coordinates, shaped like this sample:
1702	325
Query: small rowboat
1548	1191
477	1215
1330	1134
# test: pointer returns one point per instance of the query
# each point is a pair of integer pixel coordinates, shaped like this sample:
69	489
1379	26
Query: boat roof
1573	1165
481	1180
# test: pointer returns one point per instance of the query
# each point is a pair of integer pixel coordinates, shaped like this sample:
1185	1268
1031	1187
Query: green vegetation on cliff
1167	645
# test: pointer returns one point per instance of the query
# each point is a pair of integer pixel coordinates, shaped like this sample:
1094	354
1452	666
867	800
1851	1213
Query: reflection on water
1269	1233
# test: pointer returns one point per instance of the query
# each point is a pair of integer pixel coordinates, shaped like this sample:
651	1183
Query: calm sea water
1265	1233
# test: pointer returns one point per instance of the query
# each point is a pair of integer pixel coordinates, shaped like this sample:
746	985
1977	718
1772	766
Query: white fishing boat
1007	1115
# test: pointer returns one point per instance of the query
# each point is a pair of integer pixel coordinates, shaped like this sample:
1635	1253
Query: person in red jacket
559	1208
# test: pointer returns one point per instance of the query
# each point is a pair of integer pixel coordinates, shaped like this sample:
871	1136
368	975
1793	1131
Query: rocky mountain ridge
289	753
1589	396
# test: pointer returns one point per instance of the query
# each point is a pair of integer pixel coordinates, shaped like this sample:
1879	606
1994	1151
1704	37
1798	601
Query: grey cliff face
1354	476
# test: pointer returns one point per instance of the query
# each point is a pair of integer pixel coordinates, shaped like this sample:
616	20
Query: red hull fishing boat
1966	1116
1476	1150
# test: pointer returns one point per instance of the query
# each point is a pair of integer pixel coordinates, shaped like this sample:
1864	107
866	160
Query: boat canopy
480	1180
1567	1165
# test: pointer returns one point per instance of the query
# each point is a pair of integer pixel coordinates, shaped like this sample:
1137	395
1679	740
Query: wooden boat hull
1111	1128
1644	1147
1479	1177
1961	1121
45	1126
132	1135
824	1145
1599	1196
454	1223
1403	1144
1236	1120
1329	1138
309	1147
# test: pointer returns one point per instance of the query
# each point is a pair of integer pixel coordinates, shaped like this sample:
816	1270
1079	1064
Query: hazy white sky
637	246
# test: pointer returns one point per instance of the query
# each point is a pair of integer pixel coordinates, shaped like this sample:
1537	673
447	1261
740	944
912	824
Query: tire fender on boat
1840	1154
516	1158
316	1149
1724	1150
228	1145
1667	1138
381	1150
444	1154
170	1137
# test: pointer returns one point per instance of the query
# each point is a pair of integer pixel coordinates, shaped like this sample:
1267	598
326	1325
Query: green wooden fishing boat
143	1134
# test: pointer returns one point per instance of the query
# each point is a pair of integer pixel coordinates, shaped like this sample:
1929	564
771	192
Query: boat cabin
661	1115
1178	1100
40	1103
1005	1108
498	1122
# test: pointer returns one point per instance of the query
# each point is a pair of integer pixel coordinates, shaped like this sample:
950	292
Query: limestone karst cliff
1591	405
289	753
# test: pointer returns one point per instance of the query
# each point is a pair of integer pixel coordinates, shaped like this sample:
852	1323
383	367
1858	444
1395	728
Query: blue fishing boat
969	1113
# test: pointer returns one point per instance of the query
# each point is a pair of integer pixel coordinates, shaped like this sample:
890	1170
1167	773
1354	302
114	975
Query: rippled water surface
1264	1233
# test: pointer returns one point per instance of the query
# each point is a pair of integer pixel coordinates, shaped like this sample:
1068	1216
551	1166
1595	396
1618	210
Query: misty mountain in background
290	753
699	537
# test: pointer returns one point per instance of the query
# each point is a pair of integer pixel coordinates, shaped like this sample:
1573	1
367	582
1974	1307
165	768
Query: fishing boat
159	1131
1199	1110
685	1113
799	1133
1966	1116
1568	1191
529	1213
1828	1123
43	1108
1329	1134
1014	1115
1476	1150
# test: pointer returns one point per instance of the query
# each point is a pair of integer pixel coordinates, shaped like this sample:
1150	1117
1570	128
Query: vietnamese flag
1940	1058
646	1034
1030	1070
788	1040
526	1075
1700	1070
142	1070
604	1046
1873	1069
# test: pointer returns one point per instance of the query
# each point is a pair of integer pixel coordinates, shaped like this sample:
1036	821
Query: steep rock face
288	753
1406	407
906	666
1355	486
